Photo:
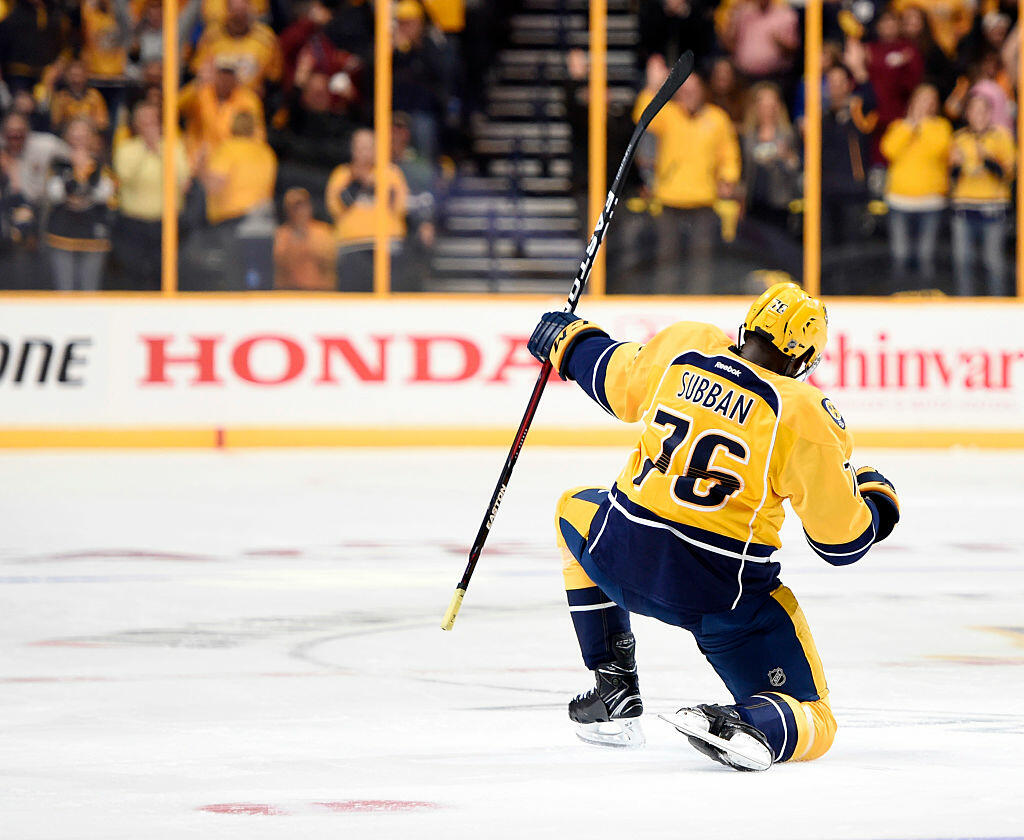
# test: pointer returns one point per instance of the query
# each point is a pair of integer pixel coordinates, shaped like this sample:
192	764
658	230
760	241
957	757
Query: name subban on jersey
713	395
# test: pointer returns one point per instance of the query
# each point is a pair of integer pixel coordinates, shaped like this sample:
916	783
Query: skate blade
612	733
742	750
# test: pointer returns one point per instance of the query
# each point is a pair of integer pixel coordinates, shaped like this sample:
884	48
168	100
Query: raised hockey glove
875	486
556	335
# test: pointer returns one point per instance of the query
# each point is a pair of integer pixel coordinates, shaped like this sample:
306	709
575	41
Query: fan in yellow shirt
250	45
210	104
917	148
240	174
697	162
76	100
106	33
982	160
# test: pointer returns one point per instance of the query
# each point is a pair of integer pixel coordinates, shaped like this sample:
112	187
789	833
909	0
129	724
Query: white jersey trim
589	607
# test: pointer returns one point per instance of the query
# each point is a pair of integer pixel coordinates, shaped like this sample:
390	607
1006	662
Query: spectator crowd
919	107
276	106
275	155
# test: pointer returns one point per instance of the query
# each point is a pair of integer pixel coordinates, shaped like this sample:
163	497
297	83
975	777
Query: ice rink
247	644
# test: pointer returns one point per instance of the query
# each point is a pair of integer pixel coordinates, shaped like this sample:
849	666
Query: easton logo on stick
495	506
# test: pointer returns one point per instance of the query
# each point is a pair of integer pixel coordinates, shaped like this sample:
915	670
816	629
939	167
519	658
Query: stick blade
680	73
453	609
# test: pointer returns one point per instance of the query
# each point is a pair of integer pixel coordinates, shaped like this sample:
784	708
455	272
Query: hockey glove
875	486
554	338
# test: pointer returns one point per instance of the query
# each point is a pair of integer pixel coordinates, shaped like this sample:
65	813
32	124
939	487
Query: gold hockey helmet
794	322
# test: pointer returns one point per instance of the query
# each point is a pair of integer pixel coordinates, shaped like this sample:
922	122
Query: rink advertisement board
405	370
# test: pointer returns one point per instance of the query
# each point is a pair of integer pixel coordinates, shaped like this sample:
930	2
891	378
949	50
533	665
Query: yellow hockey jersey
693	518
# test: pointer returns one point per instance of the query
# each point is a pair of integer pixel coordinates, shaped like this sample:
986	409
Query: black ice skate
609	713
719	733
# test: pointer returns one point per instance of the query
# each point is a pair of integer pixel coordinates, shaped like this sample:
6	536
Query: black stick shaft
679	74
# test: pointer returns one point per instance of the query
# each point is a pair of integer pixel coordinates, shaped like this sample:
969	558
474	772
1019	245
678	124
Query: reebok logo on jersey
727	369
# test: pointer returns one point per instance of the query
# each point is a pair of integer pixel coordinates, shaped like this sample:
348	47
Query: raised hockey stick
680	73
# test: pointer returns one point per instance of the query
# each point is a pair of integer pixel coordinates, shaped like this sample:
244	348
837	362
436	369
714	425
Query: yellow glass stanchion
598	129
1018	241
169	227
812	148
382	135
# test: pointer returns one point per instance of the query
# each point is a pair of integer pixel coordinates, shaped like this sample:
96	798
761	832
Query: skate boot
609	713
719	733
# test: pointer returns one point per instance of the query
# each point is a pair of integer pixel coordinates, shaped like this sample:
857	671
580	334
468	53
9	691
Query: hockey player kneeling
687	531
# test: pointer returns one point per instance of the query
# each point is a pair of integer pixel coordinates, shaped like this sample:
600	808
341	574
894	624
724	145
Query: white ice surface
260	630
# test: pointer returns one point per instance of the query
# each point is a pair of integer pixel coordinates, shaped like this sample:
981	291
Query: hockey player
687	531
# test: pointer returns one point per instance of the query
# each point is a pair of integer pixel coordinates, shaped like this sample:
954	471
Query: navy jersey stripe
590	352
708	539
735	370
592	494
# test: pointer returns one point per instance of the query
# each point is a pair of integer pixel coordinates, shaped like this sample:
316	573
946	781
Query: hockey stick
680	73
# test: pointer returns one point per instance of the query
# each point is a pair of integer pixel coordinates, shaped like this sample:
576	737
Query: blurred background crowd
487	189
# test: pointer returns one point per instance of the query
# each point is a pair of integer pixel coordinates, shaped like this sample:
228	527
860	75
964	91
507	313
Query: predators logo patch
833	412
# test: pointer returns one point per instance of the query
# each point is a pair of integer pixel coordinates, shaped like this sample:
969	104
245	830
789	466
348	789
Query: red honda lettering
424	354
241	360
359	365
203	360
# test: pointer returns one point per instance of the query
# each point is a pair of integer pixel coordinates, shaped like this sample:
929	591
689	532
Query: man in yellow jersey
687	531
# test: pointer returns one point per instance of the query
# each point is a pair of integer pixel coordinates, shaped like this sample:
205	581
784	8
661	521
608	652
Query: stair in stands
514	224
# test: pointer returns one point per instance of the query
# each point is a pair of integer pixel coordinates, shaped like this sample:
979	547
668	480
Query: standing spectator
251	46
938	69
763	37
138	165
307	50
697	162
239	180
304	249
351	191
420	78
989	78
239	175
78	226
76	99
319	126
895	68
210	105
771	162
725	90
982	161
19	217
669	27
847	121
148	37
917	149
32	153
106	36
948	20
32	35
421	178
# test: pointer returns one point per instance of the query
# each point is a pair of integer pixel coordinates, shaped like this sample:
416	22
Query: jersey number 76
699	485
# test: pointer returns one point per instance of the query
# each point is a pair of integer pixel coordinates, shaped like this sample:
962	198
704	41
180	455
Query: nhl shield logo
777	677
